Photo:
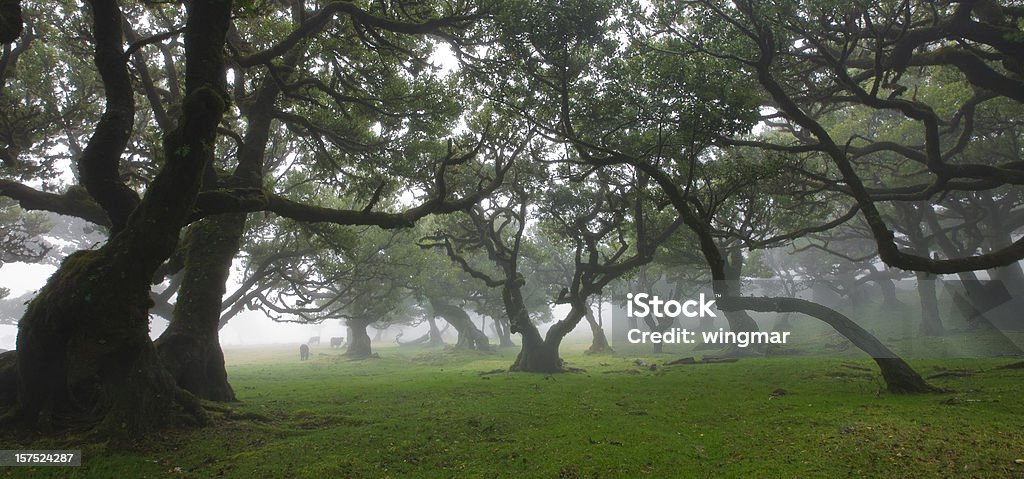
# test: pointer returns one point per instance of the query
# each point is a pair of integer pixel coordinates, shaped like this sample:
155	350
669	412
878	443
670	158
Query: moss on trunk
190	347
85	358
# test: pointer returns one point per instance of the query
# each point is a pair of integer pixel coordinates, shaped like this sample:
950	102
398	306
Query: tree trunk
359	345
435	334
469	336
733	273
190	347
983	296
898	375
705	324
8	379
537	356
500	327
889	298
599	345
11	21
1000	236
660	326
931	322
84	354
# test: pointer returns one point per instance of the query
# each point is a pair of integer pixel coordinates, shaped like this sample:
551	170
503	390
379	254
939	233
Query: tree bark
11	21
732	272
99	164
84	354
8	379
190	347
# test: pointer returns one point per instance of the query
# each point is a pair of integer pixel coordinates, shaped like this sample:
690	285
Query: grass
421	413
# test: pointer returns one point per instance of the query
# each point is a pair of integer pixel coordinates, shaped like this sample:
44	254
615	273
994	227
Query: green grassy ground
419	413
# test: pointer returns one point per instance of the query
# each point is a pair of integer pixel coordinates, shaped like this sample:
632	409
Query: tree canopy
358	160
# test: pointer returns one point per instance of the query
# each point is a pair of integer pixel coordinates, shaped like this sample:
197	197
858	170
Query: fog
249	328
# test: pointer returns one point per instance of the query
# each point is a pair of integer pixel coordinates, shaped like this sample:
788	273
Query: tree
813	59
83	343
604	223
180	193
381	95
635	115
360	276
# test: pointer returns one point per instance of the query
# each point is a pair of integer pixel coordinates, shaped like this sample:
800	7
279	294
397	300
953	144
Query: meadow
442	413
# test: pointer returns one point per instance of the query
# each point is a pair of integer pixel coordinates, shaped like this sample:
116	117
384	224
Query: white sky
249	327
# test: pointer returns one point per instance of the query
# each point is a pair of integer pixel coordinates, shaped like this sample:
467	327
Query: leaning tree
653	107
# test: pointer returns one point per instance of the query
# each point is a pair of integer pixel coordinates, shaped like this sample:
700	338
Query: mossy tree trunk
537	355
85	358
540	353
190	348
8	379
